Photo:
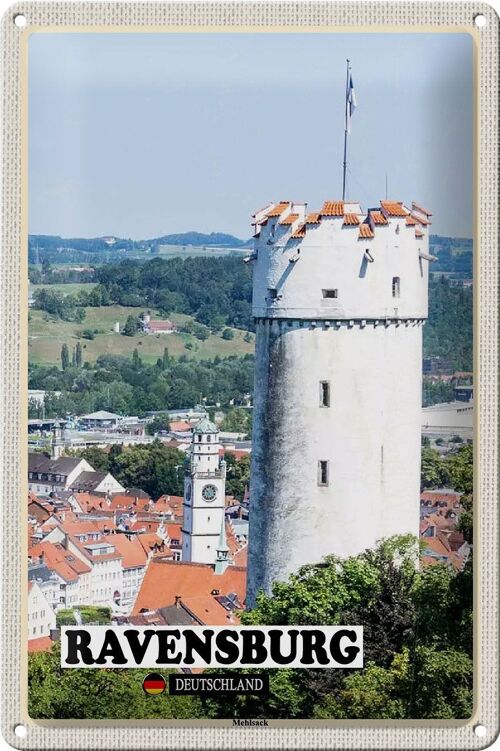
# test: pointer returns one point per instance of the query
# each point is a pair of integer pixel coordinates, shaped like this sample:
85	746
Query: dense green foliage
436	392
417	640
448	332
238	475
62	694
129	386
153	467
215	291
454	255
454	470
95	614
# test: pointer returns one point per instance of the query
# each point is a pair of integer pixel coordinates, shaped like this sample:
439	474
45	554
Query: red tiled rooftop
332	208
208	610
420	209
180	426
365	231
300	231
314	218
290	219
378	218
394	208
351	219
161	326
278	209
164	580
42	644
133	553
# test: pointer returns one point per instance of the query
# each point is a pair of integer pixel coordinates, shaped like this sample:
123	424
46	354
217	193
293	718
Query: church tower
339	302
204	496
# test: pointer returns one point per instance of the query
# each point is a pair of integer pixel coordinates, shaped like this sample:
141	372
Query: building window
209	438
330	294
322	473
396	286
324	393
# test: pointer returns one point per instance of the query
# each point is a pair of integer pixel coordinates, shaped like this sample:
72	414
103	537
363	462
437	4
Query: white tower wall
366	344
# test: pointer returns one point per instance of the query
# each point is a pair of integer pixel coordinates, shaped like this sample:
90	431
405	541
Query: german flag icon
154	683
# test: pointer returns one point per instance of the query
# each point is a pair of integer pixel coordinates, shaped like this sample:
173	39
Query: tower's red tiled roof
300	231
278	209
378	218
351	219
314	218
365	231
290	219
420	209
332	208
394	208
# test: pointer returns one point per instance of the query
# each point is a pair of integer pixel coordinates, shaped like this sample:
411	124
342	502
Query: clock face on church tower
209	493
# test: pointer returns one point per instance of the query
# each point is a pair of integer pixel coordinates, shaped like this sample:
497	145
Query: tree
461	469
136	360
434	470
103	693
96	457
237	420
131	326
80	315
154	468
228	334
64	357
78	355
161	423
238	475
417	639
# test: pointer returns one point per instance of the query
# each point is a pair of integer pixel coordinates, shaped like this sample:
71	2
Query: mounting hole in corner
480	20
21	731
480	731
20	21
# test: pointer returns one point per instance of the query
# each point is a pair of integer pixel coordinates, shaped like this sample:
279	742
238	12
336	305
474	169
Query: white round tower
339	299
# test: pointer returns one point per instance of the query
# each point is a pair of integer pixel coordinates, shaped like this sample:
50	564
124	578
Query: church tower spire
204	496
222	560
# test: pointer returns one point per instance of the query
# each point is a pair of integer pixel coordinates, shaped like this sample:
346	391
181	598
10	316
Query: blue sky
139	135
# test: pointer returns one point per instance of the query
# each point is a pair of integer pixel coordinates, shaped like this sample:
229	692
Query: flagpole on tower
346	129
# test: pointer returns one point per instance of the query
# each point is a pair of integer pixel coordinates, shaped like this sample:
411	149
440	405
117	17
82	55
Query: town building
166	583
54	475
41	619
150	326
204	496
339	302
101	420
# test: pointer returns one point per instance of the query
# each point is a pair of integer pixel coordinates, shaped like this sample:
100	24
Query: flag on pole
351	104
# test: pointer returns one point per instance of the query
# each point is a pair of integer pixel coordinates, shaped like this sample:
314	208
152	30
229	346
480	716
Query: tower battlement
341	262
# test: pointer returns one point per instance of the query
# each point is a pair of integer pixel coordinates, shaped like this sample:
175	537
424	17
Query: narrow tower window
324	393
396	286
322	472
330	293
